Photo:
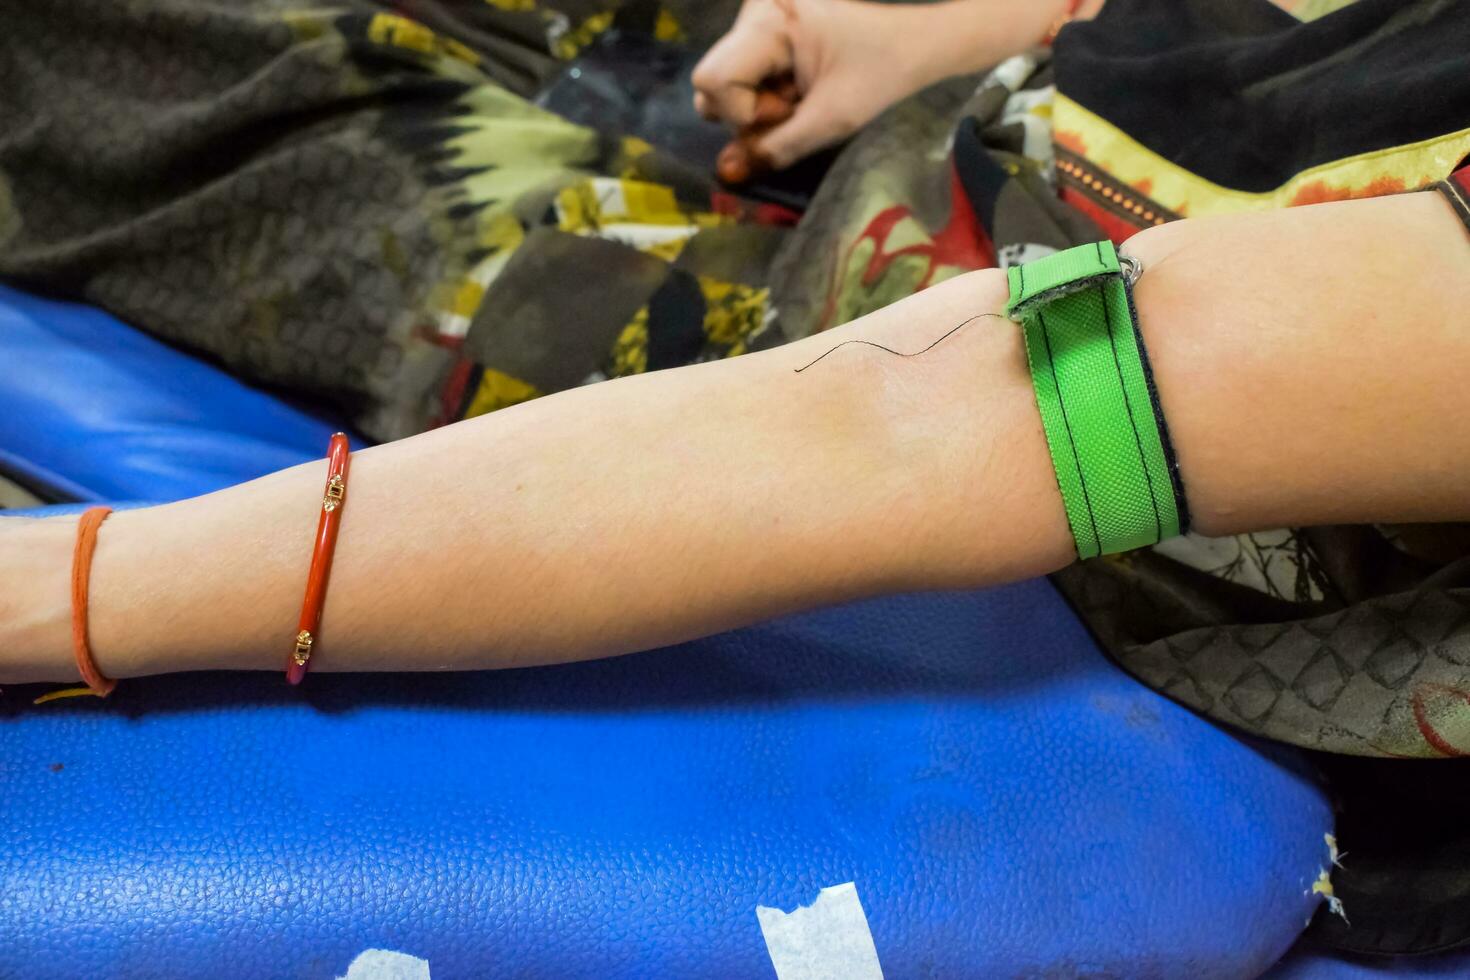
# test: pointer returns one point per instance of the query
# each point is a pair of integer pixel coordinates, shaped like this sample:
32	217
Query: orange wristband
334	498
81	576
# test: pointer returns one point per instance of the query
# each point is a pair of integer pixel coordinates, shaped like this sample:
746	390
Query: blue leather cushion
1007	802
91	409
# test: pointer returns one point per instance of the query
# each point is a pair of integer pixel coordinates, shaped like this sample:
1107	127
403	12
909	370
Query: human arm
1310	365
606	519
1312	362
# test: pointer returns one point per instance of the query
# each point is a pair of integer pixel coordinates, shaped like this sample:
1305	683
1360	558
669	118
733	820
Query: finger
704	108
771	108
735	105
818	121
734	68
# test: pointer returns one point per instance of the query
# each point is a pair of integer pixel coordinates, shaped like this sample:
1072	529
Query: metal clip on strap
1115	467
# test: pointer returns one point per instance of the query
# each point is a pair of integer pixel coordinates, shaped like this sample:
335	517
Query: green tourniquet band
1107	441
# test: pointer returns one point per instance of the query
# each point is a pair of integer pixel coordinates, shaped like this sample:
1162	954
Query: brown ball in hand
741	160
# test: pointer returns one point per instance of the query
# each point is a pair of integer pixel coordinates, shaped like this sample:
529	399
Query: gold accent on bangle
336	490
302	653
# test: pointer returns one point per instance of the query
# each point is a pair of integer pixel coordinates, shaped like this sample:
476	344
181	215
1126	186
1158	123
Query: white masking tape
827	940
385	964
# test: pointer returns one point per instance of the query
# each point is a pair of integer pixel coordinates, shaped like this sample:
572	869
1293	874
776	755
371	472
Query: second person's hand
846	59
796	76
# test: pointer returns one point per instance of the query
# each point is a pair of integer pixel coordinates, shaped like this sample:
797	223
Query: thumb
818	121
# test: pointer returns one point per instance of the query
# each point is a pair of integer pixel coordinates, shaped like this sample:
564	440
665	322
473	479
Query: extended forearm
601	521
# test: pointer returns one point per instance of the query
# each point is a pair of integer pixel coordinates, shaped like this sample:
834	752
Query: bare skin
1305	379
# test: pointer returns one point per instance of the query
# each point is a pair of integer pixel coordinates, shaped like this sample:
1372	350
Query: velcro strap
1116	470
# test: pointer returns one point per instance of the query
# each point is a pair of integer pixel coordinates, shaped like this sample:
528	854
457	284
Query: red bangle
334	498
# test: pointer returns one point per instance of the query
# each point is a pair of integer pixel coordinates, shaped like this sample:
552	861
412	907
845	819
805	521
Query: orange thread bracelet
81	577
334	497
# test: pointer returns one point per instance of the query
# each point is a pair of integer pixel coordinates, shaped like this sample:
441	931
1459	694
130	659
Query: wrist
949	32
35	600
974	35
